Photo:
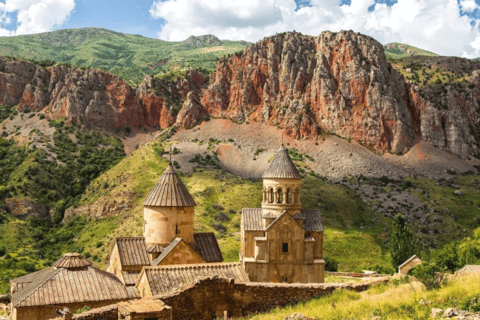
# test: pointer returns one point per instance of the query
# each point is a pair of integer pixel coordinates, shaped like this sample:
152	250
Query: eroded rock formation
338	83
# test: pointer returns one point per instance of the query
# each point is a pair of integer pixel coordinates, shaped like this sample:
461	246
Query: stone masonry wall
104	313
217	296
220	297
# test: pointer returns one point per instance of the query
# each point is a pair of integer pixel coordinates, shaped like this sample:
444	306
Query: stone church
168	234
281	241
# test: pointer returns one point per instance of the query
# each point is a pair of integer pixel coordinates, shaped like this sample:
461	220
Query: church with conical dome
281	241
168	234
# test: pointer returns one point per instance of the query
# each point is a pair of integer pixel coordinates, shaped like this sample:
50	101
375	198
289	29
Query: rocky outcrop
339	83
23	209
105	207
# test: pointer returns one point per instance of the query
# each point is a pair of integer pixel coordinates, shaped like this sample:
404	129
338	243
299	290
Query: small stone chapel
281	241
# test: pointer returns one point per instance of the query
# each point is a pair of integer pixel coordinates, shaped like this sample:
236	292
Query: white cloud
468	5
435	25
34	16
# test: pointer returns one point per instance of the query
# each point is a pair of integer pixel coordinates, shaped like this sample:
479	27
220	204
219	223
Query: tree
402	243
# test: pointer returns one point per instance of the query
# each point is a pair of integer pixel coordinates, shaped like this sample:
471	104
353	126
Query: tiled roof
71	261
252	219
408	260
206	244
132	251
132	292
156	248
282	167
298	216
65	285
469	269
28	278
313	220
260	238
169	192
163	279
130	277
166	251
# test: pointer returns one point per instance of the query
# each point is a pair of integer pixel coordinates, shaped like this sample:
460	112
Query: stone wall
220	297
105	313
49	312
223	297
355	274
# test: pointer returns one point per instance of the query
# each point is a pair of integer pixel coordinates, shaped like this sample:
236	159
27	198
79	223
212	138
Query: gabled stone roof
252	219
132	251
408	260
156	248
164	279
130	278
169	192
282	167
206	244
64	285
166	251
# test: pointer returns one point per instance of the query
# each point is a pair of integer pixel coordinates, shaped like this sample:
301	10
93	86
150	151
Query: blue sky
448	27
119	15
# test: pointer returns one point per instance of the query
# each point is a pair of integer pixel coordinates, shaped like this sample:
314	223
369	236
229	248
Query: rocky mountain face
93	97
339	83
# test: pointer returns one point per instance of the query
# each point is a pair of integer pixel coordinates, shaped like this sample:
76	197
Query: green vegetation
402	243
57	183
387	301
56	178
130	57
400	50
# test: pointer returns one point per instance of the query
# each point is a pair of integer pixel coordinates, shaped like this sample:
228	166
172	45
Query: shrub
428	273
330	264
219	227
222	216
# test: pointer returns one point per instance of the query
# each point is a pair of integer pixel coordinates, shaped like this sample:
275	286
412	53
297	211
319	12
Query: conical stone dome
282	167
169	192
72	260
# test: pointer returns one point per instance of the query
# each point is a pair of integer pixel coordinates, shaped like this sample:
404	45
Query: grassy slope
401	51
392	301
127	56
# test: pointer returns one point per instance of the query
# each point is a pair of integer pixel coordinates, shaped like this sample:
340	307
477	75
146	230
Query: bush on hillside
429	274
330	264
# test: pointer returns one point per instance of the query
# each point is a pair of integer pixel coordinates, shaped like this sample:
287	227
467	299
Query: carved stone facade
282	242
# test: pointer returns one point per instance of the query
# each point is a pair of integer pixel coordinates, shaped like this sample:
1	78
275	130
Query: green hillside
400	299
128	56
396	50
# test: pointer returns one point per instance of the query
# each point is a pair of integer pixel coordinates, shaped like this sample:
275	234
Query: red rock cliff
339	83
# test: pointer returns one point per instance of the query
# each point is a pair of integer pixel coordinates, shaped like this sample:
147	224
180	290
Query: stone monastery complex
280	243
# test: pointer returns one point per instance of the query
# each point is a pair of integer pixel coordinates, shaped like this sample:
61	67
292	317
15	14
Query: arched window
270	195
290	198
280	196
